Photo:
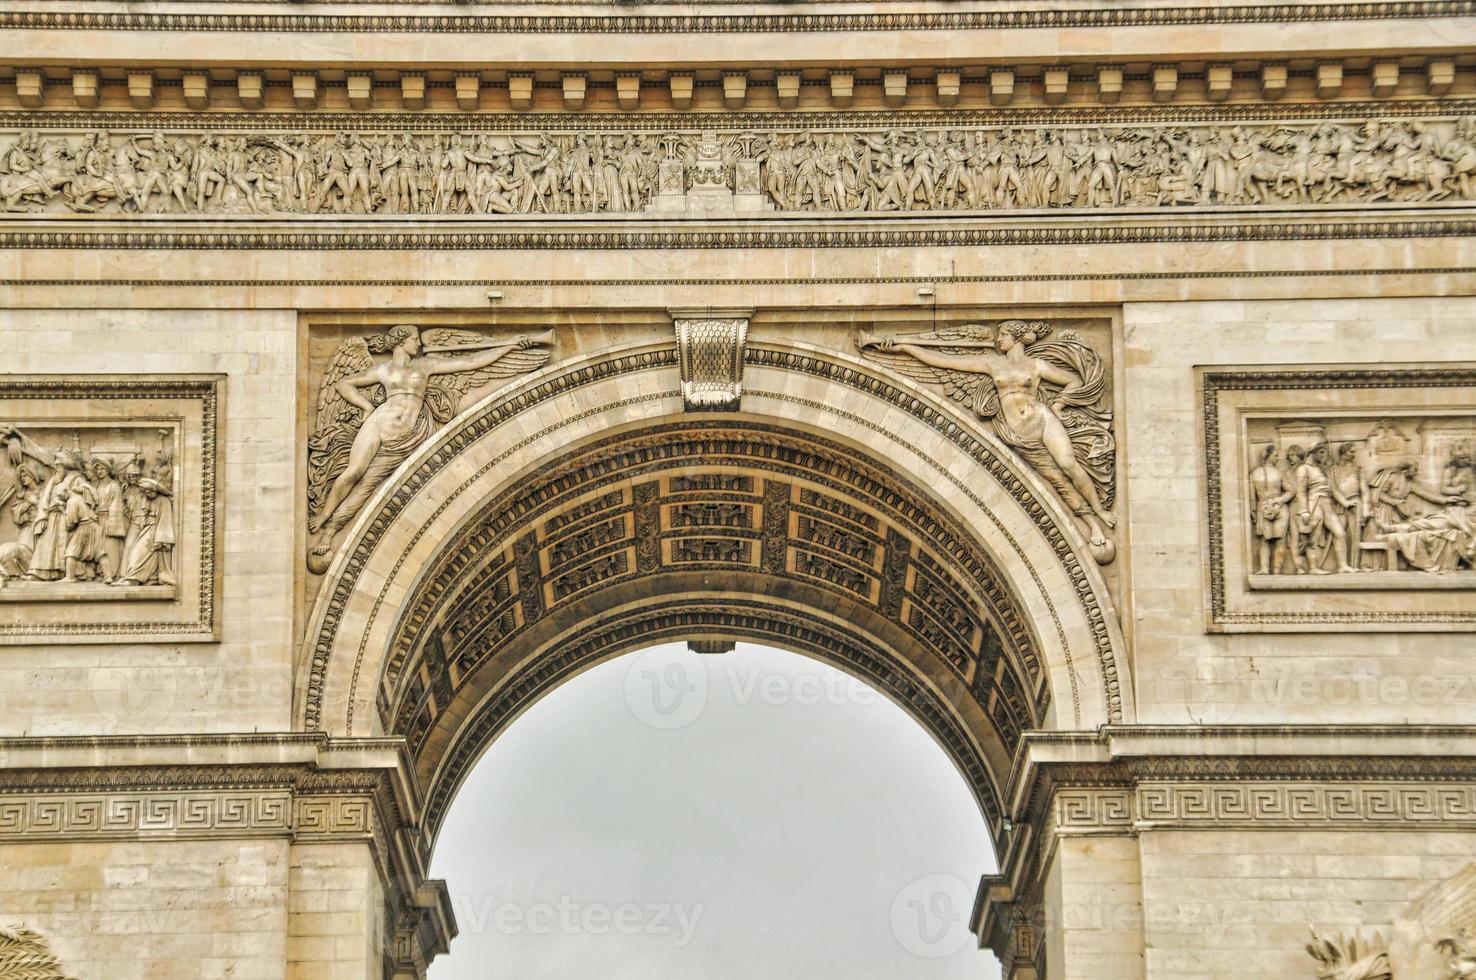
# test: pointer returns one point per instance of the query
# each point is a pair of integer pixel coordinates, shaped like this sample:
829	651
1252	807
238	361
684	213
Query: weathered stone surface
948	351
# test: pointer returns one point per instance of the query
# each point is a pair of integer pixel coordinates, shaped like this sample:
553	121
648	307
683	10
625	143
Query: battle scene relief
955	169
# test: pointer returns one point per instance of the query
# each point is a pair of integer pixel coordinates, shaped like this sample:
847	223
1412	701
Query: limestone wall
141	910
1343	674
242	683
1220	905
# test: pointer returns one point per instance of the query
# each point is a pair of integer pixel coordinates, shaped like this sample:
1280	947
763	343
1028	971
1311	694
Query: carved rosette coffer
710	343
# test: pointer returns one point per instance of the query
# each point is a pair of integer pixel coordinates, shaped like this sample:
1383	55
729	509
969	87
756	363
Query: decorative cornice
745	121
1104	229
796	280
762	23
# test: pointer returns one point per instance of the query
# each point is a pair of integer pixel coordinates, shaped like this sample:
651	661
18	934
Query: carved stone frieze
1341	496
90	512
955	169
1331	480
108	508
1047	395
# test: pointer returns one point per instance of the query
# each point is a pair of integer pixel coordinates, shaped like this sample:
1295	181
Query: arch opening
703	799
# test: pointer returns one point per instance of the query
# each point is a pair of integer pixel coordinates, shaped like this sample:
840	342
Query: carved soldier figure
51	531
1270	518
1320	524
1350	496
1103	184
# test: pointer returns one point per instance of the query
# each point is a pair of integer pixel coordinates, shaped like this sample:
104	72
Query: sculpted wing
443	394
337	421
1437	936
964	387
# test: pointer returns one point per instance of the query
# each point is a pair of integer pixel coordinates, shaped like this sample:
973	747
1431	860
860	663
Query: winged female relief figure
1044	397
373	414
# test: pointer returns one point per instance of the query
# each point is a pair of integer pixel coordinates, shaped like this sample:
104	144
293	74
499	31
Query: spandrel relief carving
26	955
1046	395
88	513
381	396
964	168
1362	497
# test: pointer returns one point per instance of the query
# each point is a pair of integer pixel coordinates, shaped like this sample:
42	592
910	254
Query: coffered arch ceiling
584	514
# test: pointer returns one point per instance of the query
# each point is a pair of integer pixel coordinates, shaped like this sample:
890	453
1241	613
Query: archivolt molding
360	574
760	621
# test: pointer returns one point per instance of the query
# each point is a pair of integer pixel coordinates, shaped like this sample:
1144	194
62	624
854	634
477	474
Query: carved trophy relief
1046	395
965	168
1358	496
381	397
1434	940
25	955
88	512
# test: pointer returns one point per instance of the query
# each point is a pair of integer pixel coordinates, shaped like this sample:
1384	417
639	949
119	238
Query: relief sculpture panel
957	169
1340	496
1046	395
108	497
380	397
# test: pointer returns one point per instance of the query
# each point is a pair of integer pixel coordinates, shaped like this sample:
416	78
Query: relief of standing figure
1270	518
1046	400
373	415
149	559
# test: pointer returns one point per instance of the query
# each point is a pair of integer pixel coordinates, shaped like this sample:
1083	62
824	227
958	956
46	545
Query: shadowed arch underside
470	595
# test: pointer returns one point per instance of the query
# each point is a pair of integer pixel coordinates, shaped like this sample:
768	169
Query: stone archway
837	514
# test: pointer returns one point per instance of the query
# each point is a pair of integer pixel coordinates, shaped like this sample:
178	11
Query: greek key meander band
221	813
1148	806
1265	805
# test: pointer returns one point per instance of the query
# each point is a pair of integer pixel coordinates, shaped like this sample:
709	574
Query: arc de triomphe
1098	380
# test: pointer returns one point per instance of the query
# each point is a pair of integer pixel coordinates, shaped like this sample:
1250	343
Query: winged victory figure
372	414
1434	940
1046	397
